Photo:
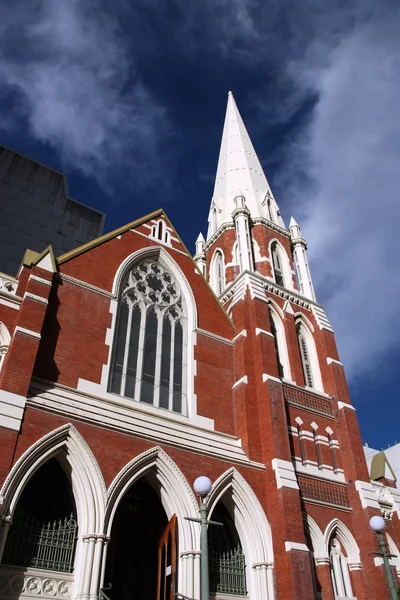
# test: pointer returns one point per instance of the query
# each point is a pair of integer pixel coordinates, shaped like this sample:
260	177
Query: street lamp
202	486
377	525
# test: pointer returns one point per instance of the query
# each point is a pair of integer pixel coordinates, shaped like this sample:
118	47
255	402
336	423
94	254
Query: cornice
84	284
271	225
213	336
215	236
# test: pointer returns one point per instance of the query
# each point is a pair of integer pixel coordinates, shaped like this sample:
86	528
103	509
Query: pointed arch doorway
141	561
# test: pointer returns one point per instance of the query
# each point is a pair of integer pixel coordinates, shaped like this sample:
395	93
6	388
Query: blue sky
128	98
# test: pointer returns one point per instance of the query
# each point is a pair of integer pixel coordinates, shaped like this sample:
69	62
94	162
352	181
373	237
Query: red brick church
129	368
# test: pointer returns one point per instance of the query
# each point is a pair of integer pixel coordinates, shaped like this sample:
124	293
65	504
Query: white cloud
74	80
349	151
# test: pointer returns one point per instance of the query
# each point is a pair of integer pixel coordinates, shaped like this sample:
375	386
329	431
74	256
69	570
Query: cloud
349	150
73	78
336	68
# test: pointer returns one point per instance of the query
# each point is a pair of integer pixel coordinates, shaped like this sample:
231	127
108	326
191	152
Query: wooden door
167	562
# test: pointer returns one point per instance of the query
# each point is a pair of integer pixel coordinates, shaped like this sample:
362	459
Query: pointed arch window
5	340
305	359
339	572
278	331
277	265
218	273
149	347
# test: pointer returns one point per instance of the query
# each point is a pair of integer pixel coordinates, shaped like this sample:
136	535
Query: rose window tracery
148	358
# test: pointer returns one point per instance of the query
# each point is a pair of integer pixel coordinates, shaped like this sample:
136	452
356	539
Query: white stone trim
284	473
287	274
345	405
149	237
330	360
325	474
243	333
214	336
12	407
29	332
10	301
243	379
367	494
263	331
303	322
35	297
133	418
84	284
39	280
266	377
321	318
296	546
281	340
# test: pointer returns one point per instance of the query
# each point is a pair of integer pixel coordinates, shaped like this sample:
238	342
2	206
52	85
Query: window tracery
305	359
148	360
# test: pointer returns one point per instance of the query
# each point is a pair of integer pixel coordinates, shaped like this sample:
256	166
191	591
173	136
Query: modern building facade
36	211
129	369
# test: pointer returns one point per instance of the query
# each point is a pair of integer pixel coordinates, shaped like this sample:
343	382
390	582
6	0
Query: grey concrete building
35	211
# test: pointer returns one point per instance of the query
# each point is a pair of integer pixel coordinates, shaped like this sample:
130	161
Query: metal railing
43	545
227	572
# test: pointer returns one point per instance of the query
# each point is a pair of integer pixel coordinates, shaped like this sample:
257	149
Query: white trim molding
12	407
330	360
367	494
296	546
345	405
243	333
40	280
264	331
29	332
35	297
284	473
266	377
243	379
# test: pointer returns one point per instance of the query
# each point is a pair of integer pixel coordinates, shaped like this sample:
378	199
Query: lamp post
377	525
202	486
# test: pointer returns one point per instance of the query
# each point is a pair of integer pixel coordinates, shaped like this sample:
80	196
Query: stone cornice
215	236
84	284
271	225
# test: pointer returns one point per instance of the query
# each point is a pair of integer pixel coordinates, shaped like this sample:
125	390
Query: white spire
239	169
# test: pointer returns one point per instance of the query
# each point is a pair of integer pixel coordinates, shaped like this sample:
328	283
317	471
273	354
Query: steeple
239	169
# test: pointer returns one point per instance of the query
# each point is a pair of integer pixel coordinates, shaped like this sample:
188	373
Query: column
300	258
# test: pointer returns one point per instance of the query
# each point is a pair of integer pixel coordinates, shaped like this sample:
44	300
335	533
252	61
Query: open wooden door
167	562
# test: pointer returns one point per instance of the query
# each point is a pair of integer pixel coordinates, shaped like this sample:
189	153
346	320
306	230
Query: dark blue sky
128	99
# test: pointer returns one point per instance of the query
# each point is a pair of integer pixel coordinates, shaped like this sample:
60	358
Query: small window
277	265
305	359
159	232
218	273
277	349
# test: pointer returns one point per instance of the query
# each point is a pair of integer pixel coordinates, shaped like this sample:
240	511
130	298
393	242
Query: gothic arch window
278	331
227	562
218	273
340	575
309	356
277	264
148	362
159	232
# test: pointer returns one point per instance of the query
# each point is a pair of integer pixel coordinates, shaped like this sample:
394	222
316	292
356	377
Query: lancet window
160	232
277	264
227	561
148	361
305	359
218	273
339	572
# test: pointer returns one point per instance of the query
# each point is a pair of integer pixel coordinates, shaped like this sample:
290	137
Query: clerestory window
148	363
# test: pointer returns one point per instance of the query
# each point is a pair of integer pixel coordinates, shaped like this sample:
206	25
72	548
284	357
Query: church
128	368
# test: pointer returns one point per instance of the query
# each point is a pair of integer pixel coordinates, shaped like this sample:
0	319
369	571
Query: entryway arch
165	478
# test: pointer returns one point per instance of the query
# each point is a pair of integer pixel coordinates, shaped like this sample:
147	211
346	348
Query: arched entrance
138	525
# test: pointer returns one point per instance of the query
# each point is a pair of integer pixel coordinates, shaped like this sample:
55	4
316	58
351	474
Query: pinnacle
200	238
293	223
